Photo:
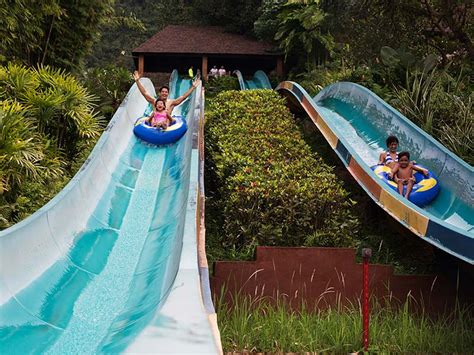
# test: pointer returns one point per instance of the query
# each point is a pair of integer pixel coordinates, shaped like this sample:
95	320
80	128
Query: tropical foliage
458	135
235	16
133	23
54	32
300	30
433	26
266	25
24	151
424	71
62	109
27	161
441	105
47	120
110	83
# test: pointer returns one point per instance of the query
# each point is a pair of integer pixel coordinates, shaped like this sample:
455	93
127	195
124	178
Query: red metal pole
366	254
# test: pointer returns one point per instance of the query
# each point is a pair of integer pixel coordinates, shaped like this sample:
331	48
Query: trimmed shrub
273	190
219	84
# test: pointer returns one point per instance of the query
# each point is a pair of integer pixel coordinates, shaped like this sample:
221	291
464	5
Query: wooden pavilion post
204	67
141	64
279	68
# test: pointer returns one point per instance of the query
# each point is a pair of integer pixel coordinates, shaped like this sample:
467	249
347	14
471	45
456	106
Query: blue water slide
258	81
356	123
178	84
110	264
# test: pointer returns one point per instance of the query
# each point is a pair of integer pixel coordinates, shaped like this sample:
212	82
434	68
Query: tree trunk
47	40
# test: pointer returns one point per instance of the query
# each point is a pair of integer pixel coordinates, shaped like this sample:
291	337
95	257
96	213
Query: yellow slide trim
287	85
327	132
415	221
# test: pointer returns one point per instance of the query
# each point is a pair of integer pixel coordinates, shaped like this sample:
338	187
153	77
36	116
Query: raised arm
142	89
382	158
180	99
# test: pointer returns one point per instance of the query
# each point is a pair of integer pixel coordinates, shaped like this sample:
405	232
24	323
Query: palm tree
301	27
61	108
22	152
47	121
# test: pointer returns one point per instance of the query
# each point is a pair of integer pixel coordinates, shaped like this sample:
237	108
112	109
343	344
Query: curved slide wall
356	123
93	268
258	81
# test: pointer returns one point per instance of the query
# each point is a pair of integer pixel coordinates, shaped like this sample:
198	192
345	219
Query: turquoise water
259	81
118	271
250	84
365	126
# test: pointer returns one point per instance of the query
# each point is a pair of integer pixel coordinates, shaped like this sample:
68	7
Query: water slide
258	81
111	264
356	122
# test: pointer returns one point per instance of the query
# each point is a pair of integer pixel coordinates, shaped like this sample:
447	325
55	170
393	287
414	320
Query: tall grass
269	325
458	136
442	106
418	99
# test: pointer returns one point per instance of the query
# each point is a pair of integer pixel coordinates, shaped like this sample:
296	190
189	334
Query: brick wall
322	276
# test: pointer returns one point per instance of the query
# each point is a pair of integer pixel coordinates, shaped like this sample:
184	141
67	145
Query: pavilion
179	47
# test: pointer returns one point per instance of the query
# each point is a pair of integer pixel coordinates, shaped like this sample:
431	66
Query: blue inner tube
159	136
425	188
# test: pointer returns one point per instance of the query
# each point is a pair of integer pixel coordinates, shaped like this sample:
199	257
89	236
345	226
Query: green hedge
273	190
216	85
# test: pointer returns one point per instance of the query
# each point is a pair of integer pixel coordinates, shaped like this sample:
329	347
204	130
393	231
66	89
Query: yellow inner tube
424	184
384	169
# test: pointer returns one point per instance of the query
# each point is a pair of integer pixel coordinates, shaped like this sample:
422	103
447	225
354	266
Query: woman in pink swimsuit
160	118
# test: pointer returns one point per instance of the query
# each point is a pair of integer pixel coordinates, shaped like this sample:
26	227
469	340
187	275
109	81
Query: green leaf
389	56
